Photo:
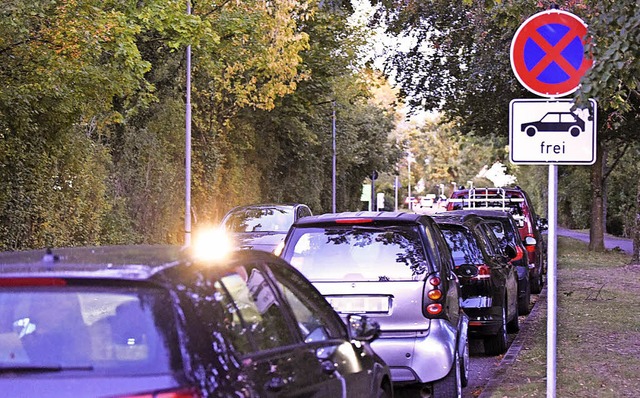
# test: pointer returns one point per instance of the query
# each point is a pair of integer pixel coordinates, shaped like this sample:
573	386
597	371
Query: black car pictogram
556	122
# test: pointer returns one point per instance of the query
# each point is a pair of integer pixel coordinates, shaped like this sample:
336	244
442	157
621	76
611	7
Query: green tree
614	82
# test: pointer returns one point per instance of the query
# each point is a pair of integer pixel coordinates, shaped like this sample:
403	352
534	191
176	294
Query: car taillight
484	272
530	248
519	254
354	221
12	282
179	393
433	296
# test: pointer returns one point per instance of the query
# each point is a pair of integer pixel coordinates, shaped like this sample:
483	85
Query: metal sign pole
552	300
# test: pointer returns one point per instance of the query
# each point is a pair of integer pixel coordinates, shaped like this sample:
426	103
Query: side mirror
511	252
362	328
530	241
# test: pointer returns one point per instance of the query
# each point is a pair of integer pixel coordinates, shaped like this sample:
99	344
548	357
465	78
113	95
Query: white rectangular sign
550	131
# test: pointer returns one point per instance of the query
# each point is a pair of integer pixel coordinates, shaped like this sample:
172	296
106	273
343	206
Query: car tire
384	391
531	131
536	283
496	345
451	384
524	303
513	326
464	365
575	131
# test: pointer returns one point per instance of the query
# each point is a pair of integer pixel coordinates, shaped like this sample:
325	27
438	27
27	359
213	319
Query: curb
512	353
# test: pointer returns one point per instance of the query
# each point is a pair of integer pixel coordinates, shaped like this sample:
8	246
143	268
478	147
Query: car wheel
464	365
384	391
536	283
496	345
524	303
574	131
451	384
514	324
531	131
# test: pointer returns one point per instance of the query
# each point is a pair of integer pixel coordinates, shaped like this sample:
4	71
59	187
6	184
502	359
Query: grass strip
598	330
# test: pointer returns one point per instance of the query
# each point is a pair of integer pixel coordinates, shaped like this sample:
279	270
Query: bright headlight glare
213	244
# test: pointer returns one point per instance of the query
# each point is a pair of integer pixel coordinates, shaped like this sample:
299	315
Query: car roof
132	262
484	213
266	205
461	218
360	216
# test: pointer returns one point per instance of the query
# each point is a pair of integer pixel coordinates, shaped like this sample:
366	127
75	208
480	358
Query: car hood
265	241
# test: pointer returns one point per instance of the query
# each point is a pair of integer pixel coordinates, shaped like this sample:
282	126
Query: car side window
433	248
315	318
491	242
303	212
252	311
498	230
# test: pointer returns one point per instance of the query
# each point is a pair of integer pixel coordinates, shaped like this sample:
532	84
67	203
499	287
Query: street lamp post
187	216
333	160
333	155
409	160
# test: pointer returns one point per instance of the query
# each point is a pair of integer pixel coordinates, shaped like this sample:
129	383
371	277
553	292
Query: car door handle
276	383
328	367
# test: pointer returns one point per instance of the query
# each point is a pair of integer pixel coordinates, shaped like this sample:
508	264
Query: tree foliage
92	114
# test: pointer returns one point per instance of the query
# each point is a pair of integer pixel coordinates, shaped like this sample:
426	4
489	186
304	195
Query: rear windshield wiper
41	368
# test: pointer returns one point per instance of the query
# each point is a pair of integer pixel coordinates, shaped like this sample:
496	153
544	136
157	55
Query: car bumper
418	356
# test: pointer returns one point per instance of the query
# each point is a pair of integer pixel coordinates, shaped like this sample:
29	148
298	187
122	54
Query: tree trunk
635	258
596	231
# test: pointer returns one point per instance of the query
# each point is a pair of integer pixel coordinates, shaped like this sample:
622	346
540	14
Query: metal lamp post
187	216
333	160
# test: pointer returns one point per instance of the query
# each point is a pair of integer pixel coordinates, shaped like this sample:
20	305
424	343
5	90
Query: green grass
598	330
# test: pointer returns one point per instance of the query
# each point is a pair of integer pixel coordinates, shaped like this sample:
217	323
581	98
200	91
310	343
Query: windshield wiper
41	368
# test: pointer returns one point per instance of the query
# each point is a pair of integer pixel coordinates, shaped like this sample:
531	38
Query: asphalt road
610	242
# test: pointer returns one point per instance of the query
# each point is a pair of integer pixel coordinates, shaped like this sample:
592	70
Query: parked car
156	321
489	282
515	201
396	269
505	229
262	226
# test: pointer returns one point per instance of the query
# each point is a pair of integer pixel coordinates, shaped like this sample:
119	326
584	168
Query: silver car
397	269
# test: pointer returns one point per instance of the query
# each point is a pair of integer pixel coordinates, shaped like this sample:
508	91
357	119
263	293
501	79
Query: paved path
610	242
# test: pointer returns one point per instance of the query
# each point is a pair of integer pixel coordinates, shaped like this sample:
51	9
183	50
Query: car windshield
124	332
464	249
358	254
260	219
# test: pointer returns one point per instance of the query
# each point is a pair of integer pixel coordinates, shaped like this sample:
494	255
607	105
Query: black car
262	226
506	231
515	201
489	282
151	321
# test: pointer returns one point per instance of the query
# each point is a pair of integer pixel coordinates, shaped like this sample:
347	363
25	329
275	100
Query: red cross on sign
547	53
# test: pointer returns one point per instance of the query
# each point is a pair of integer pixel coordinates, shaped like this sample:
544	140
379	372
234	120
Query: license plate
359	304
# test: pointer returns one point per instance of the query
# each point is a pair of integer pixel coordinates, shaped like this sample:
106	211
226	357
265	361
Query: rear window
464	249
264	219
118	331
358	254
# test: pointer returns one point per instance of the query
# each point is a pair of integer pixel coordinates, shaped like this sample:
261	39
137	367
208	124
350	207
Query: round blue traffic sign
547	53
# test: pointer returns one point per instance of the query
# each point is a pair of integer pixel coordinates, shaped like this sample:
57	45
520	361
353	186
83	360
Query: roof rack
490	199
